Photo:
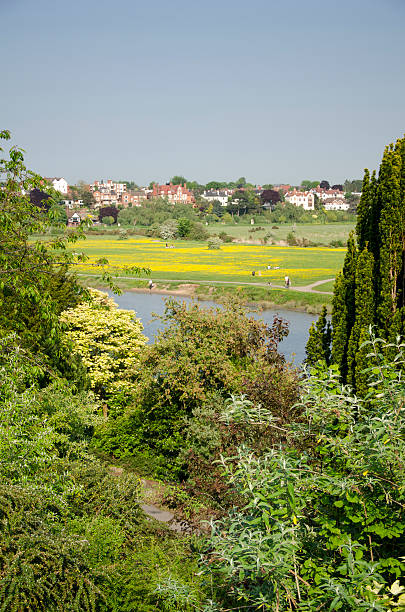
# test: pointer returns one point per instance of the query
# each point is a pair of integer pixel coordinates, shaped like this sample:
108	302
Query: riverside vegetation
302	480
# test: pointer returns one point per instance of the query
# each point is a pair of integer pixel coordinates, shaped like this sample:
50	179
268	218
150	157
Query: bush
224	237
291	239
322	525
169	229
214	243
202	351
108	220
197	232
108	340
227	218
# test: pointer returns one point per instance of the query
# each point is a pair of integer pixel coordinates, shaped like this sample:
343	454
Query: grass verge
261	296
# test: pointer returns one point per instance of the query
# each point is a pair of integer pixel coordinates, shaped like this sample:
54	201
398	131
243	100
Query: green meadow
232	263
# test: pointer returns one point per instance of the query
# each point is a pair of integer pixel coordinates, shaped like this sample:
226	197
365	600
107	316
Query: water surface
144	304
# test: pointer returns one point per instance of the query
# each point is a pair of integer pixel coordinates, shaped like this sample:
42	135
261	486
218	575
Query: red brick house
176	194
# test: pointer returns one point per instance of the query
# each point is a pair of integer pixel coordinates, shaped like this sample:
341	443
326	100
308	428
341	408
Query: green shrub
197	232
200	352
108	220
291	239
322	524
214	243
225	237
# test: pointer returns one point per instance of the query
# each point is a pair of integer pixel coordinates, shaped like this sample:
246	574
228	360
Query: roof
295	192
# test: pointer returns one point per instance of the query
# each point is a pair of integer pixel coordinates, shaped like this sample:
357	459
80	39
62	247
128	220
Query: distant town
95	200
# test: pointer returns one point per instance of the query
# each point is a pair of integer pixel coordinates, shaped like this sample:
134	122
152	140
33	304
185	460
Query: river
293	347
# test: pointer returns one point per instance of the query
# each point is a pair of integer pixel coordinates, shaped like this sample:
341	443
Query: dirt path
151	491
303	288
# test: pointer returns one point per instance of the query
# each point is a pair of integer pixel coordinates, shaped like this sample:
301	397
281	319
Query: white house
70	204
335	204
324	194
108	187
60	184
75	219
220	196
306	199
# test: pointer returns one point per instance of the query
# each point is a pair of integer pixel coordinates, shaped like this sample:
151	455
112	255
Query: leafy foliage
214	243
322	526
72	536
108	340
200	352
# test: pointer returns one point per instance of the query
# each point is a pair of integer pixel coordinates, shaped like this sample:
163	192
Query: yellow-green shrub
109	341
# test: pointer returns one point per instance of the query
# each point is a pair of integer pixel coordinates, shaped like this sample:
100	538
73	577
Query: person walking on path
150	285
287	282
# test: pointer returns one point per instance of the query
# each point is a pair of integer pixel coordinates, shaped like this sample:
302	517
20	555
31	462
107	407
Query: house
107	192
176	194
324	194
71	204
220	196
59	184
335	204
132	198
306	199
108	186
77	217
282	188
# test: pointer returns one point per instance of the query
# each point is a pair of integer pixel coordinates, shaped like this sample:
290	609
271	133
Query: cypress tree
374	238
339	322
401	276
343	308
318	345
362	363
314	348
391	237
364	311
364	217
371	287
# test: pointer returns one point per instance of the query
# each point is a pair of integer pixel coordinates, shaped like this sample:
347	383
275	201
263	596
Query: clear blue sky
276	91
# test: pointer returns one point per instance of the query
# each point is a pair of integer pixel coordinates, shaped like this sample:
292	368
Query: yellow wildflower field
233	262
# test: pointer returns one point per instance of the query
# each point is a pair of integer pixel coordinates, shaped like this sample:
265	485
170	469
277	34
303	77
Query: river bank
263	297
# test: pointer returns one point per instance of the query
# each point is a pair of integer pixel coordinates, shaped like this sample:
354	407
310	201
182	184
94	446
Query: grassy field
322	234
326	286
189	261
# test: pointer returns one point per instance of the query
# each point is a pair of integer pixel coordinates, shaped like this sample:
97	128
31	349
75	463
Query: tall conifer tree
314	348
371	287
364	311
343	308
364	216
392	246
339	322
318	346
374	235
